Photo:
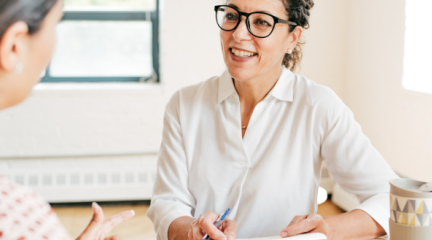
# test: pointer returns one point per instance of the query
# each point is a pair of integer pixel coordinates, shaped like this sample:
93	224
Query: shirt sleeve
356	165
171	197
26	215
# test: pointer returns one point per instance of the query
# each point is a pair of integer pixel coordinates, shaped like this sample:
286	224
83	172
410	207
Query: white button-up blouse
273	173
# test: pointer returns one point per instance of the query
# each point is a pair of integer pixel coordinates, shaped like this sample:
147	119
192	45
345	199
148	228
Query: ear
294	38
12	46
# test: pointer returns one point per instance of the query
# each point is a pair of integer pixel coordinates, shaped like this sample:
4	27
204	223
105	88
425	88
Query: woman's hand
98	228
205	224
311	223
356	224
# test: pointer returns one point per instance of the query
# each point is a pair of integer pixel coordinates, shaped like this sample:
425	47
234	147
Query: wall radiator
110	178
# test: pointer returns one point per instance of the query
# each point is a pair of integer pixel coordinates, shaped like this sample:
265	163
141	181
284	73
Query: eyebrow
233	6
237	8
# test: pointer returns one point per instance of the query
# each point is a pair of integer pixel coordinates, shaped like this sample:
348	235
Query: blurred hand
98	228
312	223
205	224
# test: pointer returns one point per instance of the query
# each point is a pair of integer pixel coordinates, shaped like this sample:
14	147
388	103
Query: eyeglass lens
260	25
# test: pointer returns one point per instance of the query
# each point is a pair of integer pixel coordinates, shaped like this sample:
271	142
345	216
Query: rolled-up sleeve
171	197
356	165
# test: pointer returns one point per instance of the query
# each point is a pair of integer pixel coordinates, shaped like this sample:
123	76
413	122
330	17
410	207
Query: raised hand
98	227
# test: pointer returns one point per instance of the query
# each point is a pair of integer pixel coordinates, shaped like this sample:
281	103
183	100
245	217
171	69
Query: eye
262	23
231	17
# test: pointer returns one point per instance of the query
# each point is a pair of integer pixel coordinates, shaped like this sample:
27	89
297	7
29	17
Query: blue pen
219	222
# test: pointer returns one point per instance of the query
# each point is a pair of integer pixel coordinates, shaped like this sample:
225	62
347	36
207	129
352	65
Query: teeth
242	53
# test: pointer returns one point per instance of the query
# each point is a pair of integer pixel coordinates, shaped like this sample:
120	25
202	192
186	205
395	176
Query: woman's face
42	43
34	54
269	52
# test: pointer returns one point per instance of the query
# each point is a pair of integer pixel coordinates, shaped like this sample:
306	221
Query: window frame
128	15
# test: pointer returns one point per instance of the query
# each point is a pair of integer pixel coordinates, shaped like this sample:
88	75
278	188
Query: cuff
378	207
165	223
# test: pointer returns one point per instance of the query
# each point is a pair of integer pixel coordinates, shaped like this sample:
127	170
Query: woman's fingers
303	224
190	233
98	228
206	223
229	229
293	222
196	231
297	219
114	221
98	216
95	223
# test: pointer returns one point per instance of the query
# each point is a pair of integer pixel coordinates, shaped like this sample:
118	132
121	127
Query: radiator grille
85	179
74	179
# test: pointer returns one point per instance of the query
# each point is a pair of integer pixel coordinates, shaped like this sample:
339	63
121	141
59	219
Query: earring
290	51
18	68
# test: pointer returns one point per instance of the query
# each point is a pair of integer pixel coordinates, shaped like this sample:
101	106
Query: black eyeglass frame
276	20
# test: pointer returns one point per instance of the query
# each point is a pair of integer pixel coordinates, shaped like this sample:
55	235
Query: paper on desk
306	236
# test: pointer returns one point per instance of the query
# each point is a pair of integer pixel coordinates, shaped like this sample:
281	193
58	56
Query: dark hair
299	12
31	12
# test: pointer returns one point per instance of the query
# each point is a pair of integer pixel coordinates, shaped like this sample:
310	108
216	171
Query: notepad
305	236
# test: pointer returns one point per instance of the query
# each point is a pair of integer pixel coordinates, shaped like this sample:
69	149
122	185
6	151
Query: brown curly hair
299	12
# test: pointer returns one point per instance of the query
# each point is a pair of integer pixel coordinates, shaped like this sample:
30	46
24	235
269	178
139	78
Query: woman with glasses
27	39
254	139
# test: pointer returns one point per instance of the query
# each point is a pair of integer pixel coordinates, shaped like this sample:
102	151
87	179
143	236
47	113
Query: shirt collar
226	86
283	90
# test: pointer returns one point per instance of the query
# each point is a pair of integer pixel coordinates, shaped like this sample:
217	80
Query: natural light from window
417	70
98	48
106	40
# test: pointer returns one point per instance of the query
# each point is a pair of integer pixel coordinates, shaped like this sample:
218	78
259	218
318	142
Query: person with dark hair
27	39
254	140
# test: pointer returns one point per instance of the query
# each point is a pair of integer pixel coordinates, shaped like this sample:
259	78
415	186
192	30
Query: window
417	75
106	41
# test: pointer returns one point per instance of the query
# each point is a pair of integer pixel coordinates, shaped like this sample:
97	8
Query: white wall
398	121
324	58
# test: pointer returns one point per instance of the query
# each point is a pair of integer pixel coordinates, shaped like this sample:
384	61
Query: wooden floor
75	219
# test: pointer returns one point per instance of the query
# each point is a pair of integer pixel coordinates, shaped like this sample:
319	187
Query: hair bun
298	11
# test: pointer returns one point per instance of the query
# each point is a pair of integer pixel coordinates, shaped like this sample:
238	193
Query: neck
254	90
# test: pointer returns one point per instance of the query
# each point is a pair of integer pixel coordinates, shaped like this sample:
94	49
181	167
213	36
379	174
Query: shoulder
316	95
25	214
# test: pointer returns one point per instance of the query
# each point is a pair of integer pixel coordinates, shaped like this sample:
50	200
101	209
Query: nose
241	33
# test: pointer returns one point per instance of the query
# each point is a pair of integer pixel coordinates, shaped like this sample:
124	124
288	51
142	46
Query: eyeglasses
259	24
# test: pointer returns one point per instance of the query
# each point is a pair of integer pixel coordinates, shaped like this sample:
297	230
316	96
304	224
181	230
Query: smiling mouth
242	54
